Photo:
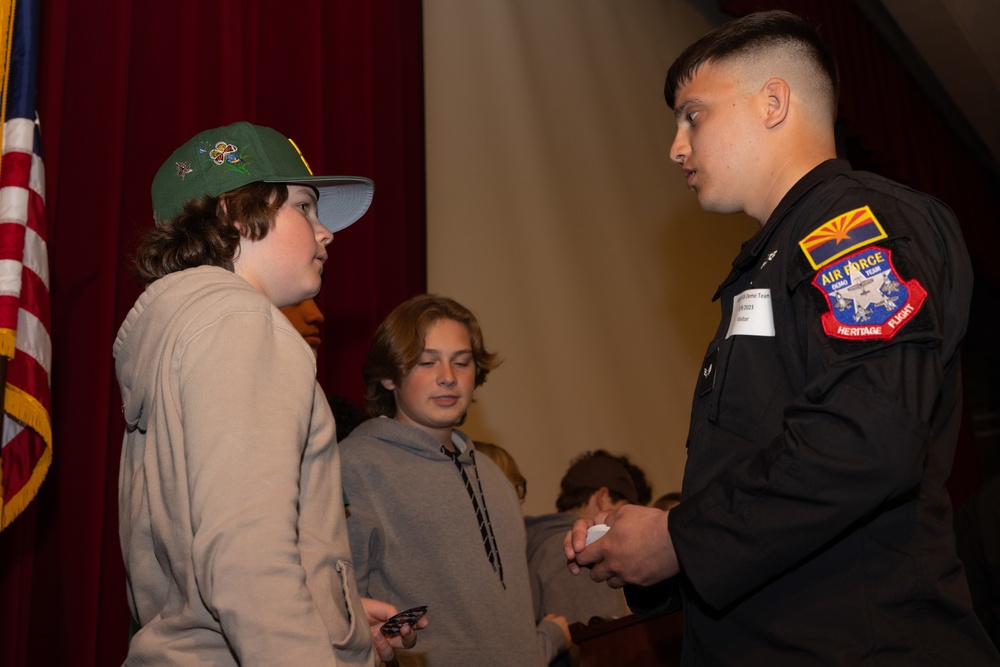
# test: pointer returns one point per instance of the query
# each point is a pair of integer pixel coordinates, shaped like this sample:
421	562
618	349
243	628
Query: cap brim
342	199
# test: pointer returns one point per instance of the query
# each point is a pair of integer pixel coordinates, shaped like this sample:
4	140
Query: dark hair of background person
572	496
399	342
643	490
346	414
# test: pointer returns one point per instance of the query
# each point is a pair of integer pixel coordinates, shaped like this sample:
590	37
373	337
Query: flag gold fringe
7	29
25	408
13	507
8	339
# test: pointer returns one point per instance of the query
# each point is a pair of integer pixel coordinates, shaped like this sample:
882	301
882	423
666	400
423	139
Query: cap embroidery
183	169
226	155
224	152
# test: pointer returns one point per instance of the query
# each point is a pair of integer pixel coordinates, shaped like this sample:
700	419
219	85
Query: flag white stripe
14	204
19	136
10	277
33	339
36	252
36	180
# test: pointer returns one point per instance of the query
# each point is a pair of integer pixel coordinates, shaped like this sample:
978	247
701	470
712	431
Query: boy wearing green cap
232	525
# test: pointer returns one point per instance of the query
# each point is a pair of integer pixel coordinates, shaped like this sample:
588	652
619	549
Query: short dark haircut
573	498
613	474
643	491
204	233
753	33
399	342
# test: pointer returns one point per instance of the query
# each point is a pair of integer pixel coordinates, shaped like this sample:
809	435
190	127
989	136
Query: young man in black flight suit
814	527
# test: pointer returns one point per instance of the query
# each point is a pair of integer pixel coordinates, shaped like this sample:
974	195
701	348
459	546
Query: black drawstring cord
482	515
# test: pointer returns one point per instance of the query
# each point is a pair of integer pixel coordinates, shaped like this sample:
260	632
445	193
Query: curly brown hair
205	233
399	342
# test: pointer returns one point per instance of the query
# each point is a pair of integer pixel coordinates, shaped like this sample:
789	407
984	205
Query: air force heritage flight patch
867	298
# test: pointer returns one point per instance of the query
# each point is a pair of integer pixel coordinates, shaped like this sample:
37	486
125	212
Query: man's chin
715	206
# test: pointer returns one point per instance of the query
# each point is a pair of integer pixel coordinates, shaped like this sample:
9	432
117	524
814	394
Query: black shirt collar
752	249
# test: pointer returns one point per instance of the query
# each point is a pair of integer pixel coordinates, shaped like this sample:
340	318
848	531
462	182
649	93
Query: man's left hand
637	548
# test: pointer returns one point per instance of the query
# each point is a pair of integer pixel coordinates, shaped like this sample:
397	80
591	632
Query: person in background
643	491
347	414
815	526
432	523
307	318
508	466
231	524
595	482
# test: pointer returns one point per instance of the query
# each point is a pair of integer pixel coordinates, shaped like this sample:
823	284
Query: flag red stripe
35	296
11	241
27	374
8	311
36	215
16	169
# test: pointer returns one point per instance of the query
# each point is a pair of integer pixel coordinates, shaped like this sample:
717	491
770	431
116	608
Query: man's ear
778	96
600	499
389	385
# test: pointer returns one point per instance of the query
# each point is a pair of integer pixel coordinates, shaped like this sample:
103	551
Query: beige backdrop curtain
555	214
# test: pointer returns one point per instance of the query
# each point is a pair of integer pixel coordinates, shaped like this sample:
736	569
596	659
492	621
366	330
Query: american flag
25	319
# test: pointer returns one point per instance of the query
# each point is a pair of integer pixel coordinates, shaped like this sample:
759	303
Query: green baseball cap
217	161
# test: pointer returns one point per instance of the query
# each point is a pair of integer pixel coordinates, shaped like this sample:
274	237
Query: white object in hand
596	532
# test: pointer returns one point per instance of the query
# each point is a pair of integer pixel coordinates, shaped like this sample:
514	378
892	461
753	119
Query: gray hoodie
231	519
416	540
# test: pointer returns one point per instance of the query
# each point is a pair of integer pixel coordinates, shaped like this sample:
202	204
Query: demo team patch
867	299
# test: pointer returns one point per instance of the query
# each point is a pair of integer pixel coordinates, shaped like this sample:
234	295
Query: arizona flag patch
867	299
835	238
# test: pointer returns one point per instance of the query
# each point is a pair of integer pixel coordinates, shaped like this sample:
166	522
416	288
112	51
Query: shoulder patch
839	236
867	299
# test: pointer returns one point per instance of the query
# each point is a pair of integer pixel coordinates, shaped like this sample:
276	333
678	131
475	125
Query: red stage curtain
122	84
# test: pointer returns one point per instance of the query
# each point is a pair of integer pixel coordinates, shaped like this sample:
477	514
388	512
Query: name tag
752	314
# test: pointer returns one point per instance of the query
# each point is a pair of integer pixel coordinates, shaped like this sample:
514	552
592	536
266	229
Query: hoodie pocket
354	637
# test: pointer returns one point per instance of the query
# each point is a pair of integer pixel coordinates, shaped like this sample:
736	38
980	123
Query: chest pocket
741	373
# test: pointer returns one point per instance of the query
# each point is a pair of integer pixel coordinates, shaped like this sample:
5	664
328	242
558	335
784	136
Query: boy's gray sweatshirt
416	540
